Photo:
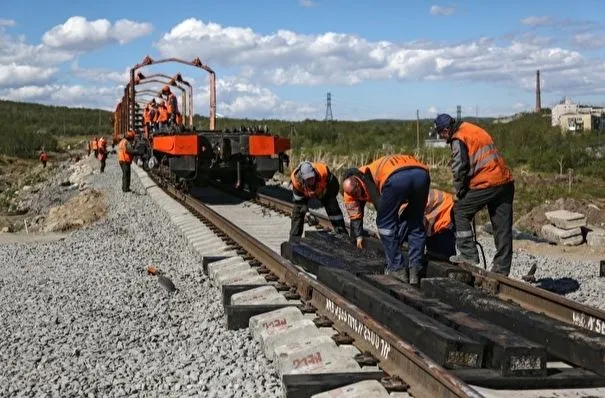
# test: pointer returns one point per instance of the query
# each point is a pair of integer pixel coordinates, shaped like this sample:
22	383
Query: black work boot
402	274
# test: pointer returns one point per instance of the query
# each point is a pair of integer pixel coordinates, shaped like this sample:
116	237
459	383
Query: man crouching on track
125	154
481	178
314	180
388	182
438	218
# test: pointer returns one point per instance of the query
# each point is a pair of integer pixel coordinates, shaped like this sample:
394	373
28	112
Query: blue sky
279	58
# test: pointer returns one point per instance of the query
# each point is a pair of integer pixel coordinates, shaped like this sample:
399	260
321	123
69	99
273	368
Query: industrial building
573	117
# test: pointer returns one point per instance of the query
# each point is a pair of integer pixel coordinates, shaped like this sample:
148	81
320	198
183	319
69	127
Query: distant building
582	122
574	117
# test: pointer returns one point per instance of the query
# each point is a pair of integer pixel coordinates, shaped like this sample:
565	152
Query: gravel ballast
80	317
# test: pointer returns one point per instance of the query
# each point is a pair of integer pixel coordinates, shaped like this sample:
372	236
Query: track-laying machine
190	155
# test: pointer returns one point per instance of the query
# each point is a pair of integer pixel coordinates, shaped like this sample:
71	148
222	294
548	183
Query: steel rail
527	296
425	377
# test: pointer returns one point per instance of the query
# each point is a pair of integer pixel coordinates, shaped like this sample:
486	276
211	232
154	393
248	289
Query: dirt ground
51	199
81	210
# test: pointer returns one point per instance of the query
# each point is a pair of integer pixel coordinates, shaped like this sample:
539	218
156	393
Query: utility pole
417	130
459	112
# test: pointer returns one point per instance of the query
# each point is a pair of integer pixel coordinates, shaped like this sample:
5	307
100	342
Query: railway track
529	297
405	368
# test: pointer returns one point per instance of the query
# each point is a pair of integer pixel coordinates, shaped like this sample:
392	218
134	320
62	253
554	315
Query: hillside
526	141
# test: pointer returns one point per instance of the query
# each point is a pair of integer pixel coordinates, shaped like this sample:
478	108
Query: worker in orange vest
481	178
164	116
102	153
438	220
95	147
171	104
314	180
125	155
43	158
388	182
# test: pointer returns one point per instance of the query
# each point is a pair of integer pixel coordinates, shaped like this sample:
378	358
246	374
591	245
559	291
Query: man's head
307	173
352	185
444	124
130	135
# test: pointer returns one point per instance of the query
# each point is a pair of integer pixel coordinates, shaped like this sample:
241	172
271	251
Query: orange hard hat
130	134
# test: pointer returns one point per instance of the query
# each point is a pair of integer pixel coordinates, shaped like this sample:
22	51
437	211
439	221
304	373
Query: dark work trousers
330	203
103	159
443	244
409	185
44	164
499	202
125	176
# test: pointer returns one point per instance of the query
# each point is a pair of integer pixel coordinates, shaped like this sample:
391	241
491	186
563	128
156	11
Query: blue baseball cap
442	121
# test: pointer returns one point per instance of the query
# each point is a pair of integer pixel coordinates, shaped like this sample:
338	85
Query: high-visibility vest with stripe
321	181
123	155
438	212
382	168
487	166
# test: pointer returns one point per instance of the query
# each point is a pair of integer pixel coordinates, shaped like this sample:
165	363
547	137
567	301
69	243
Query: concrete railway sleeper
318	340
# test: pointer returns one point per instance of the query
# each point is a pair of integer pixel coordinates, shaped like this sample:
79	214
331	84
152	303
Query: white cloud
14	75
288	58
7	22
307	3
67	95
99	74
236	98
438	10
79	34
589	40
537	21
15	49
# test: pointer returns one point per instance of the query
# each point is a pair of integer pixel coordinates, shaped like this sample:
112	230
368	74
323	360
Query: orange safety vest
487	166
146	118
321	183
380	169
94	145
123	156
179	119
164	116
438	212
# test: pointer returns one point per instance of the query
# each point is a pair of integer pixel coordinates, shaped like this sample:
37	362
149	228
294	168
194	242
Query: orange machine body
267	145
176	145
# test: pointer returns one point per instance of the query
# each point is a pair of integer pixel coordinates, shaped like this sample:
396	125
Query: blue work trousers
412	186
